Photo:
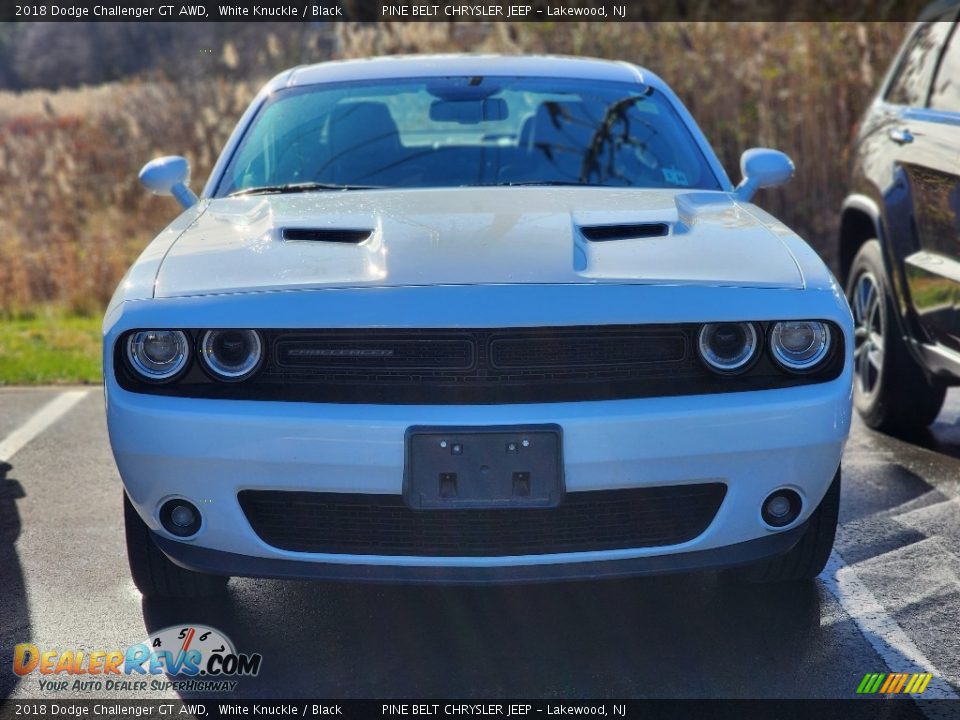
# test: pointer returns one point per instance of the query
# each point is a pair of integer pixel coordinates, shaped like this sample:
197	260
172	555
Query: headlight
728	347
158	355
231	354
800	345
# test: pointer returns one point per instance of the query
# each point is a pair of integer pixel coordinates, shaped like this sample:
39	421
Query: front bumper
201	559
209	450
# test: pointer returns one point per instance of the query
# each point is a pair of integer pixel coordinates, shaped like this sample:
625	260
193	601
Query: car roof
402	66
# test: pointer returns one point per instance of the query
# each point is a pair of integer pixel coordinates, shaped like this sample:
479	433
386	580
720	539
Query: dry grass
77	215
72	101
73	217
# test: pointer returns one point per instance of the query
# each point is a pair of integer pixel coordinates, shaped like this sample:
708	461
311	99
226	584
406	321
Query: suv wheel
154	574
890	390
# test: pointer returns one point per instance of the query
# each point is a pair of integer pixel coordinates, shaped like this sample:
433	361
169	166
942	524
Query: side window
945	94
912	79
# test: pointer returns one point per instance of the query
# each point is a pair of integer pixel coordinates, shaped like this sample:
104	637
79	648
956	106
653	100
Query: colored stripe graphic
893	683
871	683
903	681
918	683
876	683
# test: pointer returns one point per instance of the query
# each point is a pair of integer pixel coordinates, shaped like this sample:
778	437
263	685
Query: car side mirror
169	175
762	168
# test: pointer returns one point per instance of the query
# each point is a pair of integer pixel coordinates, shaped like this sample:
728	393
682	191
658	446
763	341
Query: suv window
945	94
912	78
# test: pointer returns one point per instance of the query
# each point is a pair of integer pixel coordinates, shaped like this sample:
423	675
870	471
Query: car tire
809	556
154	574
891	391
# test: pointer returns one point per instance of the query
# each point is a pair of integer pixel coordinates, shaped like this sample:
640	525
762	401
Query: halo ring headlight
800	345
158	355
728	347
231	355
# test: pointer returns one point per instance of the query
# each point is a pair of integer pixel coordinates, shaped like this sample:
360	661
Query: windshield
466	131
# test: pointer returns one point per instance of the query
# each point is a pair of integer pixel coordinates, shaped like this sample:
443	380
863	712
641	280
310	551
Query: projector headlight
728	347
158	355
231	355
800	345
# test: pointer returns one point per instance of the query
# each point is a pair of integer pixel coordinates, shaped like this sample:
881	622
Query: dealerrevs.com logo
191	657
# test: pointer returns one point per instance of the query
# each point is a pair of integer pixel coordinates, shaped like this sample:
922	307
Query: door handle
901	136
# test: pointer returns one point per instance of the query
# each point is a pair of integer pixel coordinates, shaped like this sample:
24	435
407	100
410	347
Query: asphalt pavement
889	602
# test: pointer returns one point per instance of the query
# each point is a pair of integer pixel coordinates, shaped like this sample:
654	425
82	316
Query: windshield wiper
298	188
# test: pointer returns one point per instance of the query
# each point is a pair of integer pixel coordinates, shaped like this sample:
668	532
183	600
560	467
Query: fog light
781	508
778	507
180	517
183	516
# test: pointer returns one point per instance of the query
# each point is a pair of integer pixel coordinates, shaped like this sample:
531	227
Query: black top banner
471	10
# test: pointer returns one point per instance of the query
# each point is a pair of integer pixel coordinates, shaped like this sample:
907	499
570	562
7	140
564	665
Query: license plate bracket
501	466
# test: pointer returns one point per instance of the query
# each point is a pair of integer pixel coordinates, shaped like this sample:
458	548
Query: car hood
471	236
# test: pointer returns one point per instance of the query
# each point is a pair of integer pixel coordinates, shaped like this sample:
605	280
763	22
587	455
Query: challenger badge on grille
339	352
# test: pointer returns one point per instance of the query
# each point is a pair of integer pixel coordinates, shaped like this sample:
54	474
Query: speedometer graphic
185	649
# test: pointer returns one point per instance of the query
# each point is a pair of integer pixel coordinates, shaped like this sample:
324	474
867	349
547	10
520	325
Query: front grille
476	357
479	366
580	350
359	524
373	355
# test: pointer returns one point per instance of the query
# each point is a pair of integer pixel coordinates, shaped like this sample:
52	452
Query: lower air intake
360	524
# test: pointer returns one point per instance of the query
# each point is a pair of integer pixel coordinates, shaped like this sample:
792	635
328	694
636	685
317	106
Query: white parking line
883	633
40	421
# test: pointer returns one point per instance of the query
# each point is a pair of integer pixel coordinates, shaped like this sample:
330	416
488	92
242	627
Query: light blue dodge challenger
471	319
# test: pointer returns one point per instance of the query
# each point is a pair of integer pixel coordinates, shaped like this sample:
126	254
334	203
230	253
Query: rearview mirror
762	168
169	175
469	112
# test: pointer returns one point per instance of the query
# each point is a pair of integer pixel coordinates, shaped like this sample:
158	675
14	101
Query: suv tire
891	391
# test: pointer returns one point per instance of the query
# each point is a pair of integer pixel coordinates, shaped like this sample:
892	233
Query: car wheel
153	573
809	556
890	390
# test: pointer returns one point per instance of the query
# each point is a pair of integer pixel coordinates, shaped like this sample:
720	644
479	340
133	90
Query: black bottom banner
372	710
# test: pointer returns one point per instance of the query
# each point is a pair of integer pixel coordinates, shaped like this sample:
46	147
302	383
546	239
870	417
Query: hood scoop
633	231
329	235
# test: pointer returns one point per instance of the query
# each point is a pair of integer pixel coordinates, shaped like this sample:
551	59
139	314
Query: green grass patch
50	348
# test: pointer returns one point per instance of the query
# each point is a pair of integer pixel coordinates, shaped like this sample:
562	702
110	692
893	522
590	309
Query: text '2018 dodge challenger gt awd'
473	319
